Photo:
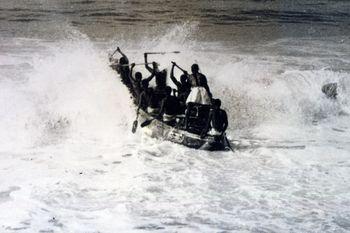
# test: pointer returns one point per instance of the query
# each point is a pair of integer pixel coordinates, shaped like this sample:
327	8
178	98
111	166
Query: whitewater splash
67	84
70	163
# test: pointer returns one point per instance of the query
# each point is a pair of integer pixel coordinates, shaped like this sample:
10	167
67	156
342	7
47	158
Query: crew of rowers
191	106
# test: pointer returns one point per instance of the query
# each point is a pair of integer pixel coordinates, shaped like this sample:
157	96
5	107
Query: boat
156	128
160	130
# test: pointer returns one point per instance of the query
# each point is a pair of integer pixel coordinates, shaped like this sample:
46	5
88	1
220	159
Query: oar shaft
162	52
135	123
111	55
228	144
180	68
138	64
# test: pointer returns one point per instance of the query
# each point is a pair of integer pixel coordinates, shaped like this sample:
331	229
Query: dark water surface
219	20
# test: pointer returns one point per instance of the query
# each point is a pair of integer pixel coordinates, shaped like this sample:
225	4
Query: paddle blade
134	126
146	122
229	144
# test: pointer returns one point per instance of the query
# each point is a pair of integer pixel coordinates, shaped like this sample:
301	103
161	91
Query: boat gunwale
207	138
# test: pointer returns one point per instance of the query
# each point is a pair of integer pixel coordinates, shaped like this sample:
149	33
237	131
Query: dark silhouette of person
217	121
330	90
136	82
159	92
199	81
170	107
153	103
145	96
123	69
183	87
150	69
200	94
160	75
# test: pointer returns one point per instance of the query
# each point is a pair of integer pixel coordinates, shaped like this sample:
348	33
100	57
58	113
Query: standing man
200	93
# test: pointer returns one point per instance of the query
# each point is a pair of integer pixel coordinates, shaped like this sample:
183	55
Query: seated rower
150	69
159	89
122	68
153	103
161	80
145	96
170	107
155	97
160	75
136	82
217	120
183	87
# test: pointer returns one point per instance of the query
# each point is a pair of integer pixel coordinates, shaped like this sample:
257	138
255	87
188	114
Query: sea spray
69	89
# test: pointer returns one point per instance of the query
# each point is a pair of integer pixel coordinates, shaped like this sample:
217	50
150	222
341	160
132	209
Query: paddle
139	64
228	144
163	52
135	123
111	55
179	67
147	122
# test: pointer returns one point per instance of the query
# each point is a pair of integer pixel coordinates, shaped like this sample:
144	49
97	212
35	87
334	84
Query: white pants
198	95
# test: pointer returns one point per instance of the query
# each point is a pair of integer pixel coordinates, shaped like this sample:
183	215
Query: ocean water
69	162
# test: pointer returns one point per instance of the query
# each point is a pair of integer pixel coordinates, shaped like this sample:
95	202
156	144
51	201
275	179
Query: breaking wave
65	89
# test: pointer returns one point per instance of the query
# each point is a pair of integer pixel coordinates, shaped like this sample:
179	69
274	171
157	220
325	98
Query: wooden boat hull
159	130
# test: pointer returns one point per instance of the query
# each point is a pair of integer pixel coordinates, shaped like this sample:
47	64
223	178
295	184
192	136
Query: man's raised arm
146	64
123	55
172	77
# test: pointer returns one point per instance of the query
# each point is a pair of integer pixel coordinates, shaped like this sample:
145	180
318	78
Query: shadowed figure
330	90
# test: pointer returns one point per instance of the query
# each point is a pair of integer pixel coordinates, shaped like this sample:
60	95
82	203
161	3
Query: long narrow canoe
159	130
